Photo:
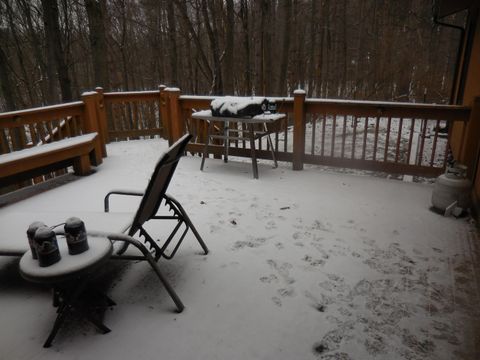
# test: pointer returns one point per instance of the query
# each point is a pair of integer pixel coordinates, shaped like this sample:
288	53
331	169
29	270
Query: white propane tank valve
451	191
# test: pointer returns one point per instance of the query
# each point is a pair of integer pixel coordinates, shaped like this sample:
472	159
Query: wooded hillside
53	50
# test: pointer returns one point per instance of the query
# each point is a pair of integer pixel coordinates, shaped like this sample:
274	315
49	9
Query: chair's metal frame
154	197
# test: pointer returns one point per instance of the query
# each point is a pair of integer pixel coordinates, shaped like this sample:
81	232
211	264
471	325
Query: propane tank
452	189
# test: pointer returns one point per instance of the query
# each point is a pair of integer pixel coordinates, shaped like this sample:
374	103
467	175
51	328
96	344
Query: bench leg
81	165
96	155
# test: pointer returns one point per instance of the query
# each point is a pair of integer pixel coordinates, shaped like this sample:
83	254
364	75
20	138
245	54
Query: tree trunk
311	60
98	41
54	46
229	46
321	41
6	84
20	54
172	44
6	87
247	88
286	23
205	66
217	86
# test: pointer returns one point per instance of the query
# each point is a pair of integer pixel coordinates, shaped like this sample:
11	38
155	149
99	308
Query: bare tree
229	48
208	12
96	11
55	49
286	23
358	49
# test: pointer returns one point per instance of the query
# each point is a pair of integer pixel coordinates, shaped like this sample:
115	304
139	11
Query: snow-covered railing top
13	118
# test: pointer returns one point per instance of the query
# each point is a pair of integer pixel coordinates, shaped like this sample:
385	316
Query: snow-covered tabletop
262	118
69	266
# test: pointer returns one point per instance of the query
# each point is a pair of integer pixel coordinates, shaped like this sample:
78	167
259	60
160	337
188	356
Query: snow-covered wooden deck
304	265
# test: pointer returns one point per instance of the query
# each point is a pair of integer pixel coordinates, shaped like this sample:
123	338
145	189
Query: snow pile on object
239	106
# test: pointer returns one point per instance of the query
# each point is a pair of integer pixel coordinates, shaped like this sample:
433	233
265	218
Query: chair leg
188	222
153	264
166	284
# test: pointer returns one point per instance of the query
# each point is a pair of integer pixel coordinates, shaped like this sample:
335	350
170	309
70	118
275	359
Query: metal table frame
253	135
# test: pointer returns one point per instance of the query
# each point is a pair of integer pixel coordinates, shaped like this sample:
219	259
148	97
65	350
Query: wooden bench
79	152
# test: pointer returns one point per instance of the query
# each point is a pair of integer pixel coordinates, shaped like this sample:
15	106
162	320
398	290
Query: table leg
64	308
269	140
56	326
97	323
253	152
56	298
205	149
227	142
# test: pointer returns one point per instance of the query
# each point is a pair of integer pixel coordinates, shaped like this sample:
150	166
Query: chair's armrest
118	192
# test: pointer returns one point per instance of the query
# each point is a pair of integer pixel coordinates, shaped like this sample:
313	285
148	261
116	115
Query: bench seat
79	152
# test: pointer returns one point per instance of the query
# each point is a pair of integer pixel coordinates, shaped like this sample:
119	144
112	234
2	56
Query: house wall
465	140
472	97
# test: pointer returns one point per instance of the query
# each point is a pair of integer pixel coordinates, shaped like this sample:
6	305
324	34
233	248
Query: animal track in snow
283	269
277	301
269	279
252	242
313	262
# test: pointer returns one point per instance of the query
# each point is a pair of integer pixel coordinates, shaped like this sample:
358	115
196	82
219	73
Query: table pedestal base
83	299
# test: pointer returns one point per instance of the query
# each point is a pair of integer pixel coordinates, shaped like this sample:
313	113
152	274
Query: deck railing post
298	129
91	123
175	113
102	115
162	106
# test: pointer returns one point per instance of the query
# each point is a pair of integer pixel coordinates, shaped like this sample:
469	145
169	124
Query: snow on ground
303	265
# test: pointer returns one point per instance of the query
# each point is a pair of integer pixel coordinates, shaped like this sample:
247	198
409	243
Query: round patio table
70	278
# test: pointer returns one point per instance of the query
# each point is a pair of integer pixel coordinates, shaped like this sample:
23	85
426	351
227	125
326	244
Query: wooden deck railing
24	129
134	114
398	138
390	137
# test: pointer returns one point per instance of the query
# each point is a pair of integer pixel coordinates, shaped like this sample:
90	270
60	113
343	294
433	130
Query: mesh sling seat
152	199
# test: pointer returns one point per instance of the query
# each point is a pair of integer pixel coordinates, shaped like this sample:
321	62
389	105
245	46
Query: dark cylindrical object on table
272	106
76	236
31	233
46	246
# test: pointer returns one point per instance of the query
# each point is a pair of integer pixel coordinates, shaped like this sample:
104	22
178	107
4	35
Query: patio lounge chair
152	199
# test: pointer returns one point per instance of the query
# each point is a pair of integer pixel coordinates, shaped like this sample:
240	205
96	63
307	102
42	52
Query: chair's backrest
158	184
